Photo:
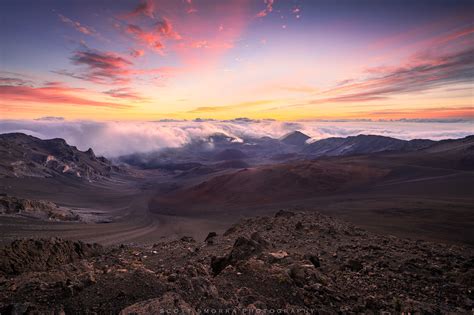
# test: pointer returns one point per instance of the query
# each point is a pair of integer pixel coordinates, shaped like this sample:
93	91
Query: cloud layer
113	139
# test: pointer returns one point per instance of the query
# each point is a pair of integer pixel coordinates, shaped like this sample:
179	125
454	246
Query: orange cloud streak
51	94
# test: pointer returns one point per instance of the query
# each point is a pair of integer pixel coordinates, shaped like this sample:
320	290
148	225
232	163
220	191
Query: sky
263	59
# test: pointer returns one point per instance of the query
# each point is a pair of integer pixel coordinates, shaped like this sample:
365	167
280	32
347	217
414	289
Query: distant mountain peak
295	138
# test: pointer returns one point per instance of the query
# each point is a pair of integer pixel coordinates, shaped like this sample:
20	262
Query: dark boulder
243	249
314	260
210	238
187	239
284	214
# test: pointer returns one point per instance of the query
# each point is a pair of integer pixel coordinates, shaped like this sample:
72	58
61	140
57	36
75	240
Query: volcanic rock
43	255
39	209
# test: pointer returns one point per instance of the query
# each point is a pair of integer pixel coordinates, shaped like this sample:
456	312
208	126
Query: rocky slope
26	156
294	261
272	183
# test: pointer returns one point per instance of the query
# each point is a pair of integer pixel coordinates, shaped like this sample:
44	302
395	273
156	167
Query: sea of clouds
115	138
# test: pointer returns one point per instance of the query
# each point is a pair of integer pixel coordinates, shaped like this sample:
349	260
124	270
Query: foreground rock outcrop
298	262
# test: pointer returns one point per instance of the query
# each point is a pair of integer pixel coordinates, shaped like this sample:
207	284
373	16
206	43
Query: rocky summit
301	262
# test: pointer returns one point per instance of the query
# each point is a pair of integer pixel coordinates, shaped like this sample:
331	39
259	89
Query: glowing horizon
278	59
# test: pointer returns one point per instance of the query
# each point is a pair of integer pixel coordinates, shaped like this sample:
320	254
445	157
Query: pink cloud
165	29
197	39
151	40
125	93
415	74
100	67
137	53
268	8
154	38
146	8
54	93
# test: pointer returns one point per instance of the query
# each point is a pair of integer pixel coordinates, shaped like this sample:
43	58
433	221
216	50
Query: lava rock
284	214
243	249
210	237
314	260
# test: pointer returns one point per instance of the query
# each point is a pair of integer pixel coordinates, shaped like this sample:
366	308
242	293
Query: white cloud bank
113	139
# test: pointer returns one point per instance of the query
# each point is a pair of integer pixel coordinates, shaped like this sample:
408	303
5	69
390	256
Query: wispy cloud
137	53
146	8
165	28
125	93
151	35
423	71
50	118
418	74
51	93
14	81
268	8
198	40
151	40
451	112
100	67
87	30
211	109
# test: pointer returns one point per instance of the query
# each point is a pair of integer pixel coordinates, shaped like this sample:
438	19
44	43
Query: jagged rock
246	247
218	264
42	255
314	260
243	248
210	237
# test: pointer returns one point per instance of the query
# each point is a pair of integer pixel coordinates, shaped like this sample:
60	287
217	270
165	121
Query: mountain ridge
27	156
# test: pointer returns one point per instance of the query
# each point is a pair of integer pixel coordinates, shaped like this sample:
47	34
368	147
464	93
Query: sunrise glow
280	59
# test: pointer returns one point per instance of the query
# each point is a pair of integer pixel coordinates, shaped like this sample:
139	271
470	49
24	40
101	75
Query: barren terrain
386	231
